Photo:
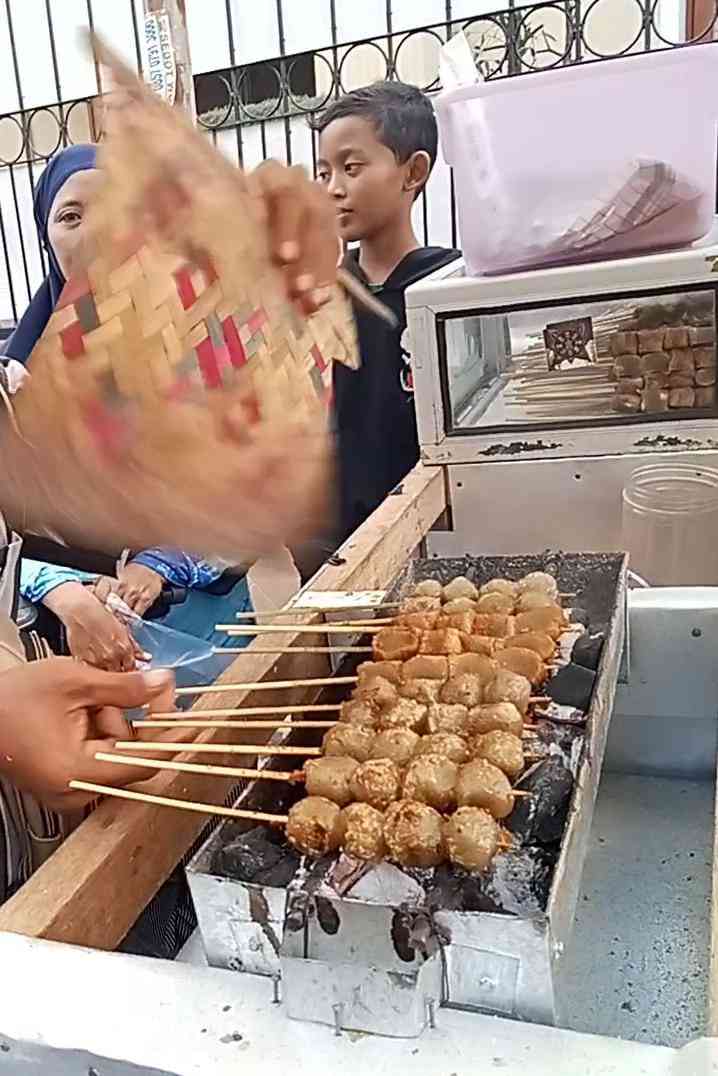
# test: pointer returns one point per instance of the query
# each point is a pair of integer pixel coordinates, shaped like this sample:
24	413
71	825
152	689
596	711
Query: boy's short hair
402	117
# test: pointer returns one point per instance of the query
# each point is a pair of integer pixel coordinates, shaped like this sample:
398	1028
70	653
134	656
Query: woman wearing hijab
213	595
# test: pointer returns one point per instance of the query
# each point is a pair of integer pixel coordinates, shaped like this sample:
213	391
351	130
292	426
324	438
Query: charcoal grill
382	952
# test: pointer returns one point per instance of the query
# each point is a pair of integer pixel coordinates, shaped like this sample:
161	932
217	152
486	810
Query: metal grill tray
495	962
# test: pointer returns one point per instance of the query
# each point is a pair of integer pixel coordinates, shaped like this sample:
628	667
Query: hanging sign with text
160	61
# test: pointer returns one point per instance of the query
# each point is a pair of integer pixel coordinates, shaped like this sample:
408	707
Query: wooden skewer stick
539	699
256	711
199	767
290	776
184	805
251	651
365	298
185	724
268	685
358	627
303	610
215	748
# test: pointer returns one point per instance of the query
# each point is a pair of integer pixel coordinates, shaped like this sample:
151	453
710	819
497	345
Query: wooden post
166	62
700	18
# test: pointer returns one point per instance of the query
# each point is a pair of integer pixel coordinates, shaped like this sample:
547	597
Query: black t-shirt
374	406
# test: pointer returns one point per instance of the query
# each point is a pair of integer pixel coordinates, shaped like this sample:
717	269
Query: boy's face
367	183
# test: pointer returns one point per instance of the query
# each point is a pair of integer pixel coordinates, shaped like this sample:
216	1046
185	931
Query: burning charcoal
521	881
259	856
517	883
327	915
580	616
562	736
572	686
542	817
554	741
297	911
587	651
563	715
386	884
445	893
413	935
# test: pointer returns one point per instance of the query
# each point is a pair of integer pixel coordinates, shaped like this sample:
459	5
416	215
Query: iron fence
261	109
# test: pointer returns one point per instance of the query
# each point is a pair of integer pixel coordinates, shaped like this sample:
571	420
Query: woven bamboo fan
175	358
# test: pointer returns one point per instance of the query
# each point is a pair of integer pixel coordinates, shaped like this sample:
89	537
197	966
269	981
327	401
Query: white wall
255	35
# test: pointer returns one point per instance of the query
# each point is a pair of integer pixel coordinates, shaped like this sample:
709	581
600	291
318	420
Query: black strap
83	560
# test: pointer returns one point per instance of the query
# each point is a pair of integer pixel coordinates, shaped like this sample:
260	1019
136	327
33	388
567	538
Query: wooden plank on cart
93	888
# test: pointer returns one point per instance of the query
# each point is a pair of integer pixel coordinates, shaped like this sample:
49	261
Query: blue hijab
32	324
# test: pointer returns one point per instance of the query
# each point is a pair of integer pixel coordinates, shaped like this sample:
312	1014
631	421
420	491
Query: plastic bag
193	660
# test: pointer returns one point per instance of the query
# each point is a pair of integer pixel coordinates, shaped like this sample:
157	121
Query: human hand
302	224
55	715
139	587
93	633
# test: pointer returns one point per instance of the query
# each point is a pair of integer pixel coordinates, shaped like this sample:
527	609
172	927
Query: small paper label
160	64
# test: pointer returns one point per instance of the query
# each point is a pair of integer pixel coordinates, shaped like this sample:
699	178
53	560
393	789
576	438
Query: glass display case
615	344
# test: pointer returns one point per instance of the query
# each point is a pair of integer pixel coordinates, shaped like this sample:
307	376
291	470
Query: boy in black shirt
377	148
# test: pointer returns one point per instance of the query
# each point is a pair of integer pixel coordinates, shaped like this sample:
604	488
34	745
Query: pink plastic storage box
585	162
